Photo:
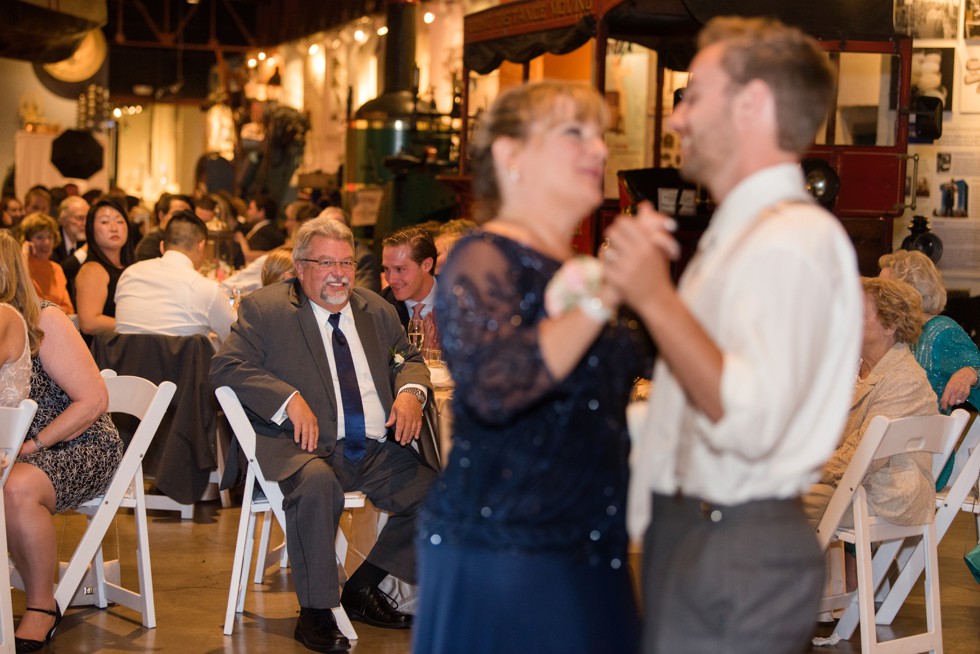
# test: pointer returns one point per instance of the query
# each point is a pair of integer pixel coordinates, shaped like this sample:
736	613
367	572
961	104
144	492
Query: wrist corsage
576	284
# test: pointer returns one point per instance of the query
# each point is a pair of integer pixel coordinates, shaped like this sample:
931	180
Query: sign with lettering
524	18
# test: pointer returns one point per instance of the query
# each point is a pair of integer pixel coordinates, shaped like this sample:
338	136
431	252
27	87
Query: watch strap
418	393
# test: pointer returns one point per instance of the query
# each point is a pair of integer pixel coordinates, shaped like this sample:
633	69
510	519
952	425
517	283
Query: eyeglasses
327	264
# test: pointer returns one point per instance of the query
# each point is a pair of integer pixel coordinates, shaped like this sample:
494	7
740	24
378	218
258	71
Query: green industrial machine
396	146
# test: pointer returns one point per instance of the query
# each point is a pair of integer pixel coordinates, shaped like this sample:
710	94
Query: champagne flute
416	332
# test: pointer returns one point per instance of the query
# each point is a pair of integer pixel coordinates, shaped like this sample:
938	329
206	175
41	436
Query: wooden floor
192	567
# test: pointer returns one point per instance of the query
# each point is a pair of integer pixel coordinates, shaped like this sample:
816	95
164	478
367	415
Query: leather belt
679	505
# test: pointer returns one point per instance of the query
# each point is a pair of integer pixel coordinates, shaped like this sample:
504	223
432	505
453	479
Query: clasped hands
405	417
636	264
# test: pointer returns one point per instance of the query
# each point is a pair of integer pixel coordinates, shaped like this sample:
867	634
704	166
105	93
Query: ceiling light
315	48
382	30
428	17
252	63
360	36
261	56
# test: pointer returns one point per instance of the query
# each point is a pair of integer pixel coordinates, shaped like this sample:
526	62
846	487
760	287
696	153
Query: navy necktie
350	393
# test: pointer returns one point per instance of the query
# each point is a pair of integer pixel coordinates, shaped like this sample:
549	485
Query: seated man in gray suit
335	394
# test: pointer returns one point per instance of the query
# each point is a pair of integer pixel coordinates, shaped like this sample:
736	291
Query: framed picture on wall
928	19
971	20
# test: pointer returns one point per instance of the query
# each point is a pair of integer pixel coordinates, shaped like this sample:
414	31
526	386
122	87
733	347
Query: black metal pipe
399	69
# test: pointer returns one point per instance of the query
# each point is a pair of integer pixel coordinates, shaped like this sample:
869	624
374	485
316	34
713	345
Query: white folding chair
959	495
14	423
148	402
885	438
269	505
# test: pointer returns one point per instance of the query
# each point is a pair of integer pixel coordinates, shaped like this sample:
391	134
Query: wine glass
416	332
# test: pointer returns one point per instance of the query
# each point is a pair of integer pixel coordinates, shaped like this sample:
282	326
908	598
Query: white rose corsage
576	284
397	359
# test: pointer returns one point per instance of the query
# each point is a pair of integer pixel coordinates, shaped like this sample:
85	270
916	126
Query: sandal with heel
27	645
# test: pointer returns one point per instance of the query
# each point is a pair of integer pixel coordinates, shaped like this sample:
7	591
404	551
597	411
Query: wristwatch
418	393
976	371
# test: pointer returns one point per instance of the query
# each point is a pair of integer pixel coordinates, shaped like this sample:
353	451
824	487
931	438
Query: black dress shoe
372	605
317	630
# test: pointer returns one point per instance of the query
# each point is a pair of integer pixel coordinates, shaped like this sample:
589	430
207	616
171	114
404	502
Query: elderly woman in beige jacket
890	383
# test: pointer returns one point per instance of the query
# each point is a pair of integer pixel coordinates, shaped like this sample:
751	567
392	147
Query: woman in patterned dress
15	352
71	452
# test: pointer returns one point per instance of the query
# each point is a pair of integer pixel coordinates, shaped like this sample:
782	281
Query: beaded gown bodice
536	464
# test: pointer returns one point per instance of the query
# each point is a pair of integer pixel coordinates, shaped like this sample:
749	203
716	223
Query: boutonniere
577	281
397	358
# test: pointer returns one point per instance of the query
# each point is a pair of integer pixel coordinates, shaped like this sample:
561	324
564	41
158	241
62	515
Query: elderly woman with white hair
946	352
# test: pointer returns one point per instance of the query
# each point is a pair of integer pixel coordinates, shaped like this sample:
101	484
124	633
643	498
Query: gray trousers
740	579
393	477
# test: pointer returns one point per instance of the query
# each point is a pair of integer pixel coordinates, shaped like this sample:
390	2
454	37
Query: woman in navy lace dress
522	544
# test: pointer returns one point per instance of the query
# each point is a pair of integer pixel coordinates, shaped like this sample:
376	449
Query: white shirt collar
428	301
178	258
323	315
753	194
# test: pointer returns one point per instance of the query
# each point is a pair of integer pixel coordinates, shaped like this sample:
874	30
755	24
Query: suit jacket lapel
313	334
377	356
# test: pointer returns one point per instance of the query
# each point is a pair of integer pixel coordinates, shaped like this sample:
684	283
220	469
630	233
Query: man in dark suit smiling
335	394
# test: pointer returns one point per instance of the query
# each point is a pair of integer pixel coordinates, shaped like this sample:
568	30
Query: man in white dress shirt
758	348
168	295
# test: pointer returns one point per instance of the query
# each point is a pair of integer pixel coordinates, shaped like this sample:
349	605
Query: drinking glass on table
433	356
416	332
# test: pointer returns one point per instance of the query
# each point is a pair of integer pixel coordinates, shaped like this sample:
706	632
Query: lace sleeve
488	309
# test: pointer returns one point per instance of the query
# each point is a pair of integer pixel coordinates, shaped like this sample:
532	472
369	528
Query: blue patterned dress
522	541
942	349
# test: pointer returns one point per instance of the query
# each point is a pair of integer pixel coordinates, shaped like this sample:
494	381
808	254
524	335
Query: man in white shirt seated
167	295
